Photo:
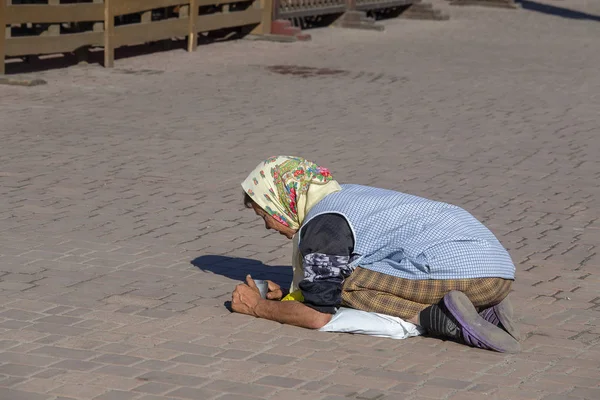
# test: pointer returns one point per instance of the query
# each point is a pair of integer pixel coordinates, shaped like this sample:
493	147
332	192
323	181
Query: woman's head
270	222
283	189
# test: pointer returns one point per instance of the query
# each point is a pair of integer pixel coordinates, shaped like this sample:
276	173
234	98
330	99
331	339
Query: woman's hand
246	297
275	292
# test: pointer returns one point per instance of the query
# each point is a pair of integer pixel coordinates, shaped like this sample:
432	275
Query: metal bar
302	8
109	28
362	5
276	9
310	12
3	35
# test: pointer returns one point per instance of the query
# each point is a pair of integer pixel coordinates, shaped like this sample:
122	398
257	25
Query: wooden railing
367	5
289	9
303	8
63	27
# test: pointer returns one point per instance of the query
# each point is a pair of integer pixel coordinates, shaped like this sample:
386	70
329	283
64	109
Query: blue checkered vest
415	238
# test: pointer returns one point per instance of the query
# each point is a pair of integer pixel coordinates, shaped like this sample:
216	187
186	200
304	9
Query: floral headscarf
288	187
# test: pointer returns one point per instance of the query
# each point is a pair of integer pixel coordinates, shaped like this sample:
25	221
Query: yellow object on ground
294	296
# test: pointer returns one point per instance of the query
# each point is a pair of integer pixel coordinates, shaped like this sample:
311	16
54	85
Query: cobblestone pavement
122	232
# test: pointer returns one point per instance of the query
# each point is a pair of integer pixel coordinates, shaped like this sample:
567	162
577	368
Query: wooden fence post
2	35
109	27
54	29
264	28
192	34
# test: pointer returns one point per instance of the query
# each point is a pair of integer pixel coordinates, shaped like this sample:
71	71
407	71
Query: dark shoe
476	331
501	315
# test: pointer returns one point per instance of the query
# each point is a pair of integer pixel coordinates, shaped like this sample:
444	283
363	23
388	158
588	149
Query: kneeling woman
383	251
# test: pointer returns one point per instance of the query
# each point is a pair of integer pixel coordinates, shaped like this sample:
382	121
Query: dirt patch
305	72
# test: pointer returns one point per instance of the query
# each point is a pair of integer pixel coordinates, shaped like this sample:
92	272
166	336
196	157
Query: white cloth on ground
349	320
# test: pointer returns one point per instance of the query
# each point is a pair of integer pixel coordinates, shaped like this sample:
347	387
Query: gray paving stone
119	370
174	379
266	358
240	388
118	348
20	315
7	344
279	381
157	313
192	348
50	339
193	393
58	310
117	359
116	395
27	359
10	381
14	325
18	370
76	365
586	393
449	383
155	388
59	319
155	365
151	397
57	329
231	396
195	359
235	354
371	394
21	395
56	351
49	373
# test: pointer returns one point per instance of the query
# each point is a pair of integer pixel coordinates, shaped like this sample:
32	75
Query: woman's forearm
292	313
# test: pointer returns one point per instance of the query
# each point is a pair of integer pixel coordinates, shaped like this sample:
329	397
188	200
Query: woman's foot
456	318
474	329
501	315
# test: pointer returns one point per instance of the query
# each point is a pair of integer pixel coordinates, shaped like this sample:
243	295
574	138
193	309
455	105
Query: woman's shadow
237	268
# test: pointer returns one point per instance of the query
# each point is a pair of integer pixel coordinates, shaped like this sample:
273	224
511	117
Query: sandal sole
485	332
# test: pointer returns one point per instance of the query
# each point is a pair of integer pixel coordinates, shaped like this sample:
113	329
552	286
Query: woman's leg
405	298
442	307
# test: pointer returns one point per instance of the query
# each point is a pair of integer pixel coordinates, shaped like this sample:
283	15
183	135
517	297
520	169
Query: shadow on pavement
237	268
557	11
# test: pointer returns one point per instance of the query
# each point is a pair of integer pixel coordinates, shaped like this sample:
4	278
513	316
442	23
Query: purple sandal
501	315
475	330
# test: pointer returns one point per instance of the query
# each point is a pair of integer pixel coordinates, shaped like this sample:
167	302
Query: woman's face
271	223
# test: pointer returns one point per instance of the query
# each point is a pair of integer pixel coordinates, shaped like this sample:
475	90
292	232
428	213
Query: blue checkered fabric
416	238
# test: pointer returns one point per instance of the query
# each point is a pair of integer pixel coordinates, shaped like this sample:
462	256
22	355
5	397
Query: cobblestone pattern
122	232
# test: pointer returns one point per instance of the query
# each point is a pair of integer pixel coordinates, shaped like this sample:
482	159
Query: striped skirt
405	298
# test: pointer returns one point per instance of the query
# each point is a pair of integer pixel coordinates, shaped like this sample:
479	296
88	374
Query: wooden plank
123	7
24	45
266	17
22	14
211	22
150	32
109	34
2	36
